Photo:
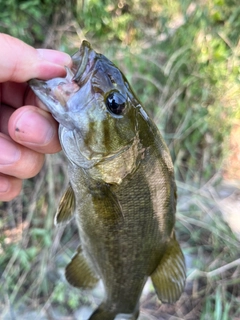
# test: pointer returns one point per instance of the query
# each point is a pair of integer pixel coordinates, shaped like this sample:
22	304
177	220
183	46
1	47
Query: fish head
94	105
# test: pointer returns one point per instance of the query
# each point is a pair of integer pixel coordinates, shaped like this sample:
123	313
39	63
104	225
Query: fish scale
121	192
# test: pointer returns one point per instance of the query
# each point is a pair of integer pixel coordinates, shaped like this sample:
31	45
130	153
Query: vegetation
182	59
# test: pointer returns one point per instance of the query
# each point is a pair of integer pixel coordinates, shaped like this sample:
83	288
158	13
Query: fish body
122	191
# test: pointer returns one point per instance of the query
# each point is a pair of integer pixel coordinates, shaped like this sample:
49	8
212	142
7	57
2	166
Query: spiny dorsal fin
79	273
66	207
170	275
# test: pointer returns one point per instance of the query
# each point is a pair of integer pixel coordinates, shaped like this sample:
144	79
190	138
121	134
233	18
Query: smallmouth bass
122	191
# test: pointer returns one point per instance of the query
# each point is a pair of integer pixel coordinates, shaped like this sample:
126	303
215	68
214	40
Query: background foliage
182	59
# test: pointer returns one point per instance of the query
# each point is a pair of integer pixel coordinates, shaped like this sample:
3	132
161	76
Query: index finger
20	62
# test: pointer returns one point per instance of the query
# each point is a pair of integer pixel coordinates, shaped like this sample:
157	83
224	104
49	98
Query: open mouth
57	91
83	62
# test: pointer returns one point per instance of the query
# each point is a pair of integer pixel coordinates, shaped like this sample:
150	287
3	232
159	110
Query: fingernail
56	57
32	127
10	153
4	185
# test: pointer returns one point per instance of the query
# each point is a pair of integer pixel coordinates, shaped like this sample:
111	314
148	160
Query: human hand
27	132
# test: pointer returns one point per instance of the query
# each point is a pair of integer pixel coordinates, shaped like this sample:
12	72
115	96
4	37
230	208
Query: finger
23	95
34	128
10	187
20	62
17	160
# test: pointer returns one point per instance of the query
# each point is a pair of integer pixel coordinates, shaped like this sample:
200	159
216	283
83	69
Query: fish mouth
56	93
83	62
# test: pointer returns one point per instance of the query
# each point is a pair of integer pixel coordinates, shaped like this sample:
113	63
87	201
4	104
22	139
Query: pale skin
27	130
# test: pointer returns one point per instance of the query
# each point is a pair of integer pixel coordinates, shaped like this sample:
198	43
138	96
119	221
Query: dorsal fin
66	207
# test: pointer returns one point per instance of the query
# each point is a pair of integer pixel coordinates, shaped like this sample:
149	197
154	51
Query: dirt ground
232	166
231	175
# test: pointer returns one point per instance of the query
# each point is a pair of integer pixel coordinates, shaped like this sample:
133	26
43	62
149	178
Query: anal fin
79	273
170	275
104	312
66	207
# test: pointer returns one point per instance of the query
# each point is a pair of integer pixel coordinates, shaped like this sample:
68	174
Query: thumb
20	62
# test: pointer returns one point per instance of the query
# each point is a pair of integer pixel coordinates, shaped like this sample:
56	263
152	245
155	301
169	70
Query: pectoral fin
66	207
79	273
169	277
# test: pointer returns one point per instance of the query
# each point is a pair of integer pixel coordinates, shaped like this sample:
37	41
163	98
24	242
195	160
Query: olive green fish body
122	190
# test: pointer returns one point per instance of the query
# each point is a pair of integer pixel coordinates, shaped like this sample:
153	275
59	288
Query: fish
122	191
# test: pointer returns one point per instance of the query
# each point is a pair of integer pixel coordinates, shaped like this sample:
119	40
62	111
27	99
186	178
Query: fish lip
84	61
49	91
44	90
36	83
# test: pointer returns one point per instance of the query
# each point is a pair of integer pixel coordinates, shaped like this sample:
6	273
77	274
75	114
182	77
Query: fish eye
116	103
